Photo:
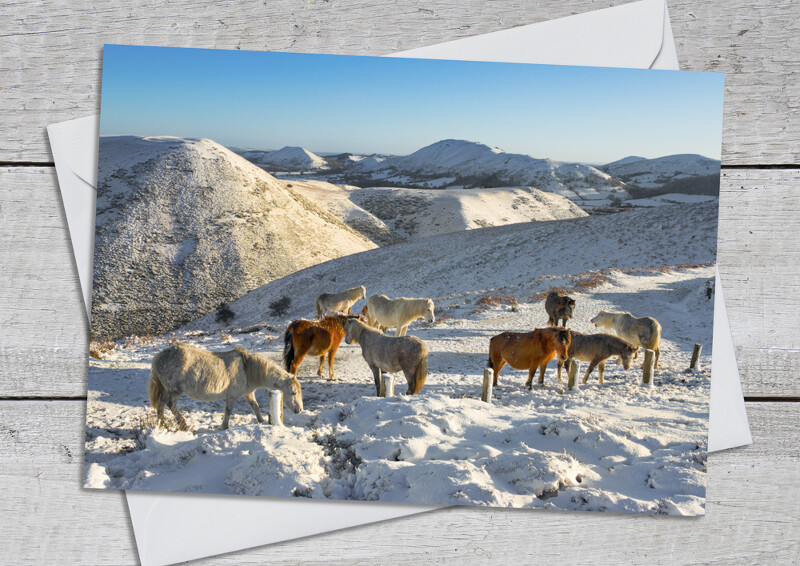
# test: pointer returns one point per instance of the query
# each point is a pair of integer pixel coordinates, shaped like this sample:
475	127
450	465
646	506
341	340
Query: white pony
208	376
339	302
383	312
644	332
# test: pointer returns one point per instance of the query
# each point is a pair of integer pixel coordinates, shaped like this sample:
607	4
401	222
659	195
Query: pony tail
489	364
155	389
420	375
318	308
288	348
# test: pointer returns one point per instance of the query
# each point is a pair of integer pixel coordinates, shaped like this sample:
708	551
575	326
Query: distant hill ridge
657	173
474	164
453	163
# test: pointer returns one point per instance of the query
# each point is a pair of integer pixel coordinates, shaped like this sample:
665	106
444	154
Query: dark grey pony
559	307
390	354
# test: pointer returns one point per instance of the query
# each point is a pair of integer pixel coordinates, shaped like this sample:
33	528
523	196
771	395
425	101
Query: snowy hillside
517	260
420	213
286	159
655	173
389	215
337	200
617	447
184	225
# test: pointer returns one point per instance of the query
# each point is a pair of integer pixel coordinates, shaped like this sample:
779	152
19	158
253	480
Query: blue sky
337	103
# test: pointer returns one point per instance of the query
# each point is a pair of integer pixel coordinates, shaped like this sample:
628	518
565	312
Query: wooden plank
751	517
45	334
42	321
50	63
759	263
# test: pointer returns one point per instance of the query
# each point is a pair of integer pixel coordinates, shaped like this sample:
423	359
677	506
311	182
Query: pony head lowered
562	339
629	353
429	316
264	373
363	292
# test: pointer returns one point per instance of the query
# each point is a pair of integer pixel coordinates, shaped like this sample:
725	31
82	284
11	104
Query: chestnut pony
314	337
528	350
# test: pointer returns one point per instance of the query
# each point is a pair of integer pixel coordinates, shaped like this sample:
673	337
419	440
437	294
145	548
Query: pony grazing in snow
339	302
390	353
208	376
596	349
528	350
559	307
316	338
383	312
644	332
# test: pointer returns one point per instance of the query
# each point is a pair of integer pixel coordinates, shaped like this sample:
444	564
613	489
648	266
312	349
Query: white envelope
636	35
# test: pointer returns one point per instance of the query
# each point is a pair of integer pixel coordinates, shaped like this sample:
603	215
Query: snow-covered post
572	372
488	377
387	385
696	356
647	368
275	407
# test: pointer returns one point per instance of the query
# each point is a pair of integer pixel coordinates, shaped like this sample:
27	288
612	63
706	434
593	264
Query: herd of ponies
209	376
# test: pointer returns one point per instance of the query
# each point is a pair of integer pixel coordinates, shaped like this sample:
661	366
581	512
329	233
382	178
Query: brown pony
528	350
315	337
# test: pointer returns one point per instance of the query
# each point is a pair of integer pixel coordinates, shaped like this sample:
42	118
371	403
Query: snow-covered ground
622	446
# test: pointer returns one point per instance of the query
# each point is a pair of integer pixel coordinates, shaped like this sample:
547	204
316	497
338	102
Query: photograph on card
403	280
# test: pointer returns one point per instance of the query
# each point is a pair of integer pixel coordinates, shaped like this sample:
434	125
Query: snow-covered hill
388	215
288	158
185	224
655	173
625	161
465	164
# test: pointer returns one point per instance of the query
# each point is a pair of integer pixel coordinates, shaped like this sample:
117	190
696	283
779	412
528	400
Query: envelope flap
77	141
624	36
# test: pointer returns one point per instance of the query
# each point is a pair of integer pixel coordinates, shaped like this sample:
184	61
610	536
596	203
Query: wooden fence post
647	369
387	385
275	407
572	371
488	377
696	356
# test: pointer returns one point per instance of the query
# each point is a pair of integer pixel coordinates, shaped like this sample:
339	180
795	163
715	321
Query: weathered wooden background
50	71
